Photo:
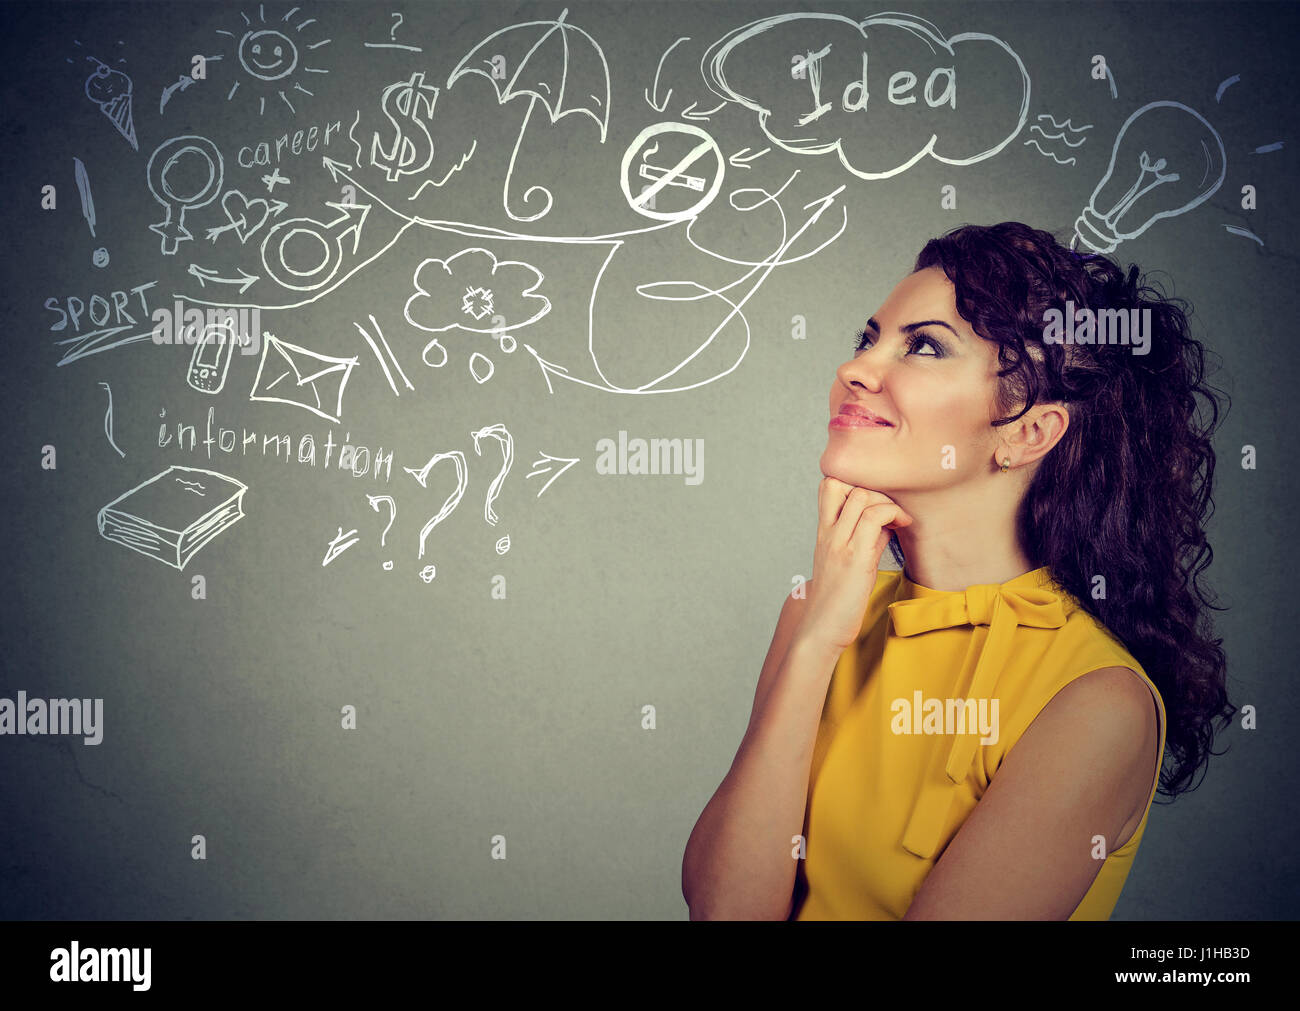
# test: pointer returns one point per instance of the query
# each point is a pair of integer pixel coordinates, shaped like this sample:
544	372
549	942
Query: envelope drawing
289	374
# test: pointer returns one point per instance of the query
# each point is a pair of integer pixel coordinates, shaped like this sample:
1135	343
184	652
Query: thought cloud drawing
882	93
475	291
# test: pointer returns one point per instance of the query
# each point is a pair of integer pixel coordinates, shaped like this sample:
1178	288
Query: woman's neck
963	537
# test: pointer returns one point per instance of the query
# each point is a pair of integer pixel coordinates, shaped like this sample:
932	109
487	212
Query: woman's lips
856	421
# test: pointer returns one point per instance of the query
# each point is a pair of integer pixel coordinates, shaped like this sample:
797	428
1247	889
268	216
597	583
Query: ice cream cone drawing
111	90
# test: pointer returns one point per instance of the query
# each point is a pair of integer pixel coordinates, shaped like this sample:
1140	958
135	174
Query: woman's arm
1083	768
739	862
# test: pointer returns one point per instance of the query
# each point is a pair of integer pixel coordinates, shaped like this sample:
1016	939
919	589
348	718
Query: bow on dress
1001	608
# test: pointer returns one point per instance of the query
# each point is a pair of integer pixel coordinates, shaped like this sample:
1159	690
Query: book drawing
173	514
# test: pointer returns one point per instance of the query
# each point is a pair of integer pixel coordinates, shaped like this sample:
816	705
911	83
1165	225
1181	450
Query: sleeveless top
894	774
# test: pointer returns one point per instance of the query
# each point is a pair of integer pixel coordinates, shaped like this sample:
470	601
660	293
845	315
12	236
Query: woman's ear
1032	437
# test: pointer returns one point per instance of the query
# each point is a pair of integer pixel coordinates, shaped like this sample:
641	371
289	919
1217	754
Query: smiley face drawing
267	54
271	59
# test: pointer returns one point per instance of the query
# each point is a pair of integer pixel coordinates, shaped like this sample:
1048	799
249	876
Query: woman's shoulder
1085	643
1084	667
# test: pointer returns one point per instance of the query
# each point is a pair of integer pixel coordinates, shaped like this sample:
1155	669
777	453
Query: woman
981	734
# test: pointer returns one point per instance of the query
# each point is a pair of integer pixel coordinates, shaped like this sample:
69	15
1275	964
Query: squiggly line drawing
1056	136
1067	123
450	172
352	136
1051	154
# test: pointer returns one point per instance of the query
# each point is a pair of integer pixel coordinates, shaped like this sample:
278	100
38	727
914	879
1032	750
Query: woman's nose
867	369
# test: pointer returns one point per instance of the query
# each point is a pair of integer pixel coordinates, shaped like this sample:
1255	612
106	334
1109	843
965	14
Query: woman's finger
855	502
831	494
873	521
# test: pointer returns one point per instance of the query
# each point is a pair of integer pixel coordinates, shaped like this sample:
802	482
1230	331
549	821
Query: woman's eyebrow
909	327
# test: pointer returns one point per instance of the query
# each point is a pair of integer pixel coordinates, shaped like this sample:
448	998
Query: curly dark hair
1126	491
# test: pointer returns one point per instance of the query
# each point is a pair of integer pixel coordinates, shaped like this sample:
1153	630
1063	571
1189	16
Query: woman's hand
852	532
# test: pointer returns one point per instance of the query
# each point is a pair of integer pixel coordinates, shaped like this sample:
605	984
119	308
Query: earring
1006	465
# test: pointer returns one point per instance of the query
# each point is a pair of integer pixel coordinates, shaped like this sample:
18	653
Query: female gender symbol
172	228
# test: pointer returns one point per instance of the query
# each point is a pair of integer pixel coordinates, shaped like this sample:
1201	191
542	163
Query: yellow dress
889	788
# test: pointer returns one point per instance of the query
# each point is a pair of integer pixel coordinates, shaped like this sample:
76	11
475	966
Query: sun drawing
271	58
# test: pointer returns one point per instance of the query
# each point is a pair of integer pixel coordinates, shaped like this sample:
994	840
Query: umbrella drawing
556	64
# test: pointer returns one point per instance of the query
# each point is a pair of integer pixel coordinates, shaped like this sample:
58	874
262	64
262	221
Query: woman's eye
862	339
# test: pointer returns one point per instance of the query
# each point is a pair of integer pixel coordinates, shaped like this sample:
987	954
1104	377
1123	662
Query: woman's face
935	383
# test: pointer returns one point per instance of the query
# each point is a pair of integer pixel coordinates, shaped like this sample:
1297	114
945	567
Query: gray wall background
523	716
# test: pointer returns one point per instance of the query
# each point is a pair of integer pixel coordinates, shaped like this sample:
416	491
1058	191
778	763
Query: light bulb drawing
1166	159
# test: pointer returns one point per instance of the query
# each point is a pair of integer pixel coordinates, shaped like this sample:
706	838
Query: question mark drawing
499	433
462	479
392	515
392	35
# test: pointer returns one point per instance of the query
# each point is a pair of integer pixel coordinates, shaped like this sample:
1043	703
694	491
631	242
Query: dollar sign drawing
408	106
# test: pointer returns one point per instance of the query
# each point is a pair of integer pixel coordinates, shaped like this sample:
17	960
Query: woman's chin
853	472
